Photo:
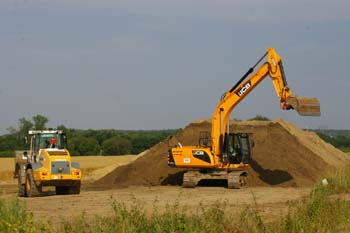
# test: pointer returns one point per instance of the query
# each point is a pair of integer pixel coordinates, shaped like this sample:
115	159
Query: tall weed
14	216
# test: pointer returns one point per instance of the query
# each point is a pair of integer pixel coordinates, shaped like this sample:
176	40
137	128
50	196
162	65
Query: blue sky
162	64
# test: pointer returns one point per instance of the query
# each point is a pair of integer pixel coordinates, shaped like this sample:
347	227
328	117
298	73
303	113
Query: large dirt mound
284	155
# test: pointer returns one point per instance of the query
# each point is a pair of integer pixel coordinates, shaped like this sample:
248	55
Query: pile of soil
283	155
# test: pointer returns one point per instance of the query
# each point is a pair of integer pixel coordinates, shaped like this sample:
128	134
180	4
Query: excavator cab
237	148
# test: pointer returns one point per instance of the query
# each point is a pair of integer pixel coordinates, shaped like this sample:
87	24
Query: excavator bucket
305	106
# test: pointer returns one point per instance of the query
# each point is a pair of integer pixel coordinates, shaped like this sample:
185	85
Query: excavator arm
272	67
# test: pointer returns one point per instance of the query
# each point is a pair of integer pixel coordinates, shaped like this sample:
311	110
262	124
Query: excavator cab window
204	138
237	147
245	147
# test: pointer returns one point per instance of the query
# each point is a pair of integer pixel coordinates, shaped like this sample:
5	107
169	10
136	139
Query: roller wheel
62	190
75	189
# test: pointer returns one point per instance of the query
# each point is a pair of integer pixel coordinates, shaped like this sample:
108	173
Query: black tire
21	187
67	190
75	189
62	190
31	189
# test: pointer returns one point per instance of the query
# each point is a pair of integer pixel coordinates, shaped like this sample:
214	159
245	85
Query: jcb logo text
243	89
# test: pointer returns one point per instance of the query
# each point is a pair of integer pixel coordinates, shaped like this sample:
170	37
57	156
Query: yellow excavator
229	153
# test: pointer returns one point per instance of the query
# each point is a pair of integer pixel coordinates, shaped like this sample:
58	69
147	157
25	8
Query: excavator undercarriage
235	178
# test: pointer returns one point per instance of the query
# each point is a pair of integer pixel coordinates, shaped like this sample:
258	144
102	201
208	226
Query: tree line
85	142
120	142
340	141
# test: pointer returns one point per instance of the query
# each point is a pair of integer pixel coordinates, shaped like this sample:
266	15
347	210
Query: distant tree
9	142
24	126
259	118
139	144
12	130
83	146
62	127
87	142
340	141
40	122
116	146
144	142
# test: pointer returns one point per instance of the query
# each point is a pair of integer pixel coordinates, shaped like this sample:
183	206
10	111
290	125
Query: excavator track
190	179
236	180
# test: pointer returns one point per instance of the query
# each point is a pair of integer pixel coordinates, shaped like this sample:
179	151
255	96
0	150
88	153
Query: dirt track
272	202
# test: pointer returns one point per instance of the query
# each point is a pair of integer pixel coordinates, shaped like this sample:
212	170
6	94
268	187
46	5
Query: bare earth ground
272	202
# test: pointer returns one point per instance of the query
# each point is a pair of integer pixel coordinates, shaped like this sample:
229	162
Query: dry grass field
93	167
6	164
